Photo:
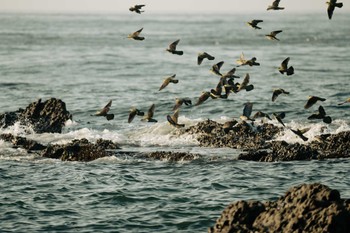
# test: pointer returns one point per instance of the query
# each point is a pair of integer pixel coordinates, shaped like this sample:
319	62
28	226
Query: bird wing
276	3
137	33
284	64
274	33
132	115
321	111
256	21
275	94
200	59
151	111
165	83
173	45
175	116
247	110
244	83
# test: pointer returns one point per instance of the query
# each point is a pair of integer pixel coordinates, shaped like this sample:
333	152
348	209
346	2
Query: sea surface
87	60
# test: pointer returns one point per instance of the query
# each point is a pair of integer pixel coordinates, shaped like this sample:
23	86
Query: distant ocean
86	60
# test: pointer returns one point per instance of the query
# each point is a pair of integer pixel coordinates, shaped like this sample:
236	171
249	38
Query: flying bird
254	23
133	113
173	119
180	101
202	56
247	111
244	84
215	69
242	61
172	48
279	117
300	133
346	101
321	114
135	35
312	100
277	92
228	125
332	4
275	6
205	95
104	111
149	116
272	35
168	80
284	67
137	8
261	114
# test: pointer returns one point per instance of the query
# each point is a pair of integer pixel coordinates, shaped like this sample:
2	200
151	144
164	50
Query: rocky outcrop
304	208
22	142
171	156
240	136
43	117
255	141
80	150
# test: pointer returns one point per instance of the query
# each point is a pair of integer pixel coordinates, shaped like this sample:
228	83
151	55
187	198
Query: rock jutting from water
304	208
258	145
43	117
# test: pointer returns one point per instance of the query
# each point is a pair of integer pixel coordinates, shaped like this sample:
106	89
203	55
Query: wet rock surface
304	208
171	156
44	117
240	136
80	150
256	142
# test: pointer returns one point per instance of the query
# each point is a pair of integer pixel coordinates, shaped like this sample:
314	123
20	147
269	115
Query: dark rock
43	117
241	136
333	146
304	208
106	144
171	156
256	140
22	142
77	150
281	151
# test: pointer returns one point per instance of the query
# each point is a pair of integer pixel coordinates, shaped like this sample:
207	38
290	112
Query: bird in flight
202	56
136	35
284	67
172	48
104	111
137	8
312	100
133	113
272	35
173	119
277	92
149	116
332	4
254	23
275	6
168	80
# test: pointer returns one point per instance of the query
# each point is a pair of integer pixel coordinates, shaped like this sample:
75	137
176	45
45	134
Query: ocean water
86	60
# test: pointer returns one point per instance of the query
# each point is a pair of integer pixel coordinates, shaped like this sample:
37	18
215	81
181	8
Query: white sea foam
316	129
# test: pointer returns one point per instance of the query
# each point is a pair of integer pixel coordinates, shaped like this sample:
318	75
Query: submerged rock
80	150
171	156
44	117
22	142
304	208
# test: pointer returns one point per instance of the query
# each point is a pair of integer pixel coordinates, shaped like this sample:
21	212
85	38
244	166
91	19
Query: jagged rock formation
44	117
305	208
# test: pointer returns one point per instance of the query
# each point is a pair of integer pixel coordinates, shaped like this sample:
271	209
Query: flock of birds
226	84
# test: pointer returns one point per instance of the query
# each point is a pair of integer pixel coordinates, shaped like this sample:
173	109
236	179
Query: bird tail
174	81
290	70
339	4
178	52
110	116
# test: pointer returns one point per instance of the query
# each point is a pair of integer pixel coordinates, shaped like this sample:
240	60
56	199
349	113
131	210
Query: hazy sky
164	6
